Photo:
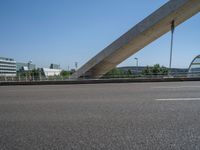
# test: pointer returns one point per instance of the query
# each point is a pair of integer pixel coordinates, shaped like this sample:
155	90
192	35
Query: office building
25	66
7	67
54	66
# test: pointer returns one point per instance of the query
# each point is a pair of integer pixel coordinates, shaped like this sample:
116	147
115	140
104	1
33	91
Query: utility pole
29	72
136	64
171	46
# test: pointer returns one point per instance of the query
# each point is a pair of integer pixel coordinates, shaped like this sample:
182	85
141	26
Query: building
140	69
54	66
194	68
178	71
25	66
133	69
50	72
7	67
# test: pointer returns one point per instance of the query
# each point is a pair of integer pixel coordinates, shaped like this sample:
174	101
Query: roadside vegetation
37	74
155	70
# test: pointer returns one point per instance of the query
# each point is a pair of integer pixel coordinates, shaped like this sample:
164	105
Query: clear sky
68	31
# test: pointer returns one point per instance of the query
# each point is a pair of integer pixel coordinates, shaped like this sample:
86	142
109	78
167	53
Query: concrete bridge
142	34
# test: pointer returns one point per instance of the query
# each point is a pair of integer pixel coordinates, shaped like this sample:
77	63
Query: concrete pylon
148	30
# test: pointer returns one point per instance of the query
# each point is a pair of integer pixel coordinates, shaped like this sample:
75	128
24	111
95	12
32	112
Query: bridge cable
172	40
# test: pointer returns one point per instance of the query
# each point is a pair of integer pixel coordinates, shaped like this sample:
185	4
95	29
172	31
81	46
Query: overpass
142	34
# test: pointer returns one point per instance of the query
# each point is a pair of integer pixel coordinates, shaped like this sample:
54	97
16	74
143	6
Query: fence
31	78
110	76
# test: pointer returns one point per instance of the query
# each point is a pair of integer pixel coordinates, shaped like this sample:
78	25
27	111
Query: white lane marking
173	87
179	99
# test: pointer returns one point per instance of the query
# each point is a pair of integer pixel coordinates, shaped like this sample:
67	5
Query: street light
29	73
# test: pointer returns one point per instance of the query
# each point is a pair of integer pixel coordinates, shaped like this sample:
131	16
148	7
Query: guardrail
58	81
154	76
110	76
31	78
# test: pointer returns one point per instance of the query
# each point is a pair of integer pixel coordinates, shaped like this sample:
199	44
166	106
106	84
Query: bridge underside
148	30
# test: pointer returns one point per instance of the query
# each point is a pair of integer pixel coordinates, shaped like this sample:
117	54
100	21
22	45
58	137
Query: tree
65	73
146	71
35	73
30	74
155	70
115	73
129	72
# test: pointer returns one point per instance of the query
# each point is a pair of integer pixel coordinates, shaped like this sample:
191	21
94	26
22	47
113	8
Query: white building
7	67
51	72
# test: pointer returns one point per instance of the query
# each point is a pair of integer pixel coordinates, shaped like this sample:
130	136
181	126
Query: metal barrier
110	76
31	79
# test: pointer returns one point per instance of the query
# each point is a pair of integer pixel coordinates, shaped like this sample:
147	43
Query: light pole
29	73
171	45
136	64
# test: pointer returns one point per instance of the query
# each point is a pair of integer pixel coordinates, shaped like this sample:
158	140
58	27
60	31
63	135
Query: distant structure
179	71
50	72
138	70
54	66
151	28
7	67
194	68
133	69
53	70
25	66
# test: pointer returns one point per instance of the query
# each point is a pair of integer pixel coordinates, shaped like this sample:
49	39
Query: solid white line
174	87
179	99
166	87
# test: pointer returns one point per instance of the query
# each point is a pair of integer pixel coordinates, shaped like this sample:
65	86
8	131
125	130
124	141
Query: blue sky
68	31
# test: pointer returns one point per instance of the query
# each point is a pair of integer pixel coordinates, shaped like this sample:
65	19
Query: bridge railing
110	76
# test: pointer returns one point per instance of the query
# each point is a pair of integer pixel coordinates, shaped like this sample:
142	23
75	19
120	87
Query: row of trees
37	73
155	70
114	73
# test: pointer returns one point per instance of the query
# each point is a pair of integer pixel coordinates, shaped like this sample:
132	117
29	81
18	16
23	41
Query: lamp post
29	73
136	64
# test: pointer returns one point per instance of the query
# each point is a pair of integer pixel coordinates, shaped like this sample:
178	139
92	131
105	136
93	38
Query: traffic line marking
173	87
179	99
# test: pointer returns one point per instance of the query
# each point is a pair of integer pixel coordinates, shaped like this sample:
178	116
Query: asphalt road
101	116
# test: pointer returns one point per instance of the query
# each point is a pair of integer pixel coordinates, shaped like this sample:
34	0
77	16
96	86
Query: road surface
101	116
